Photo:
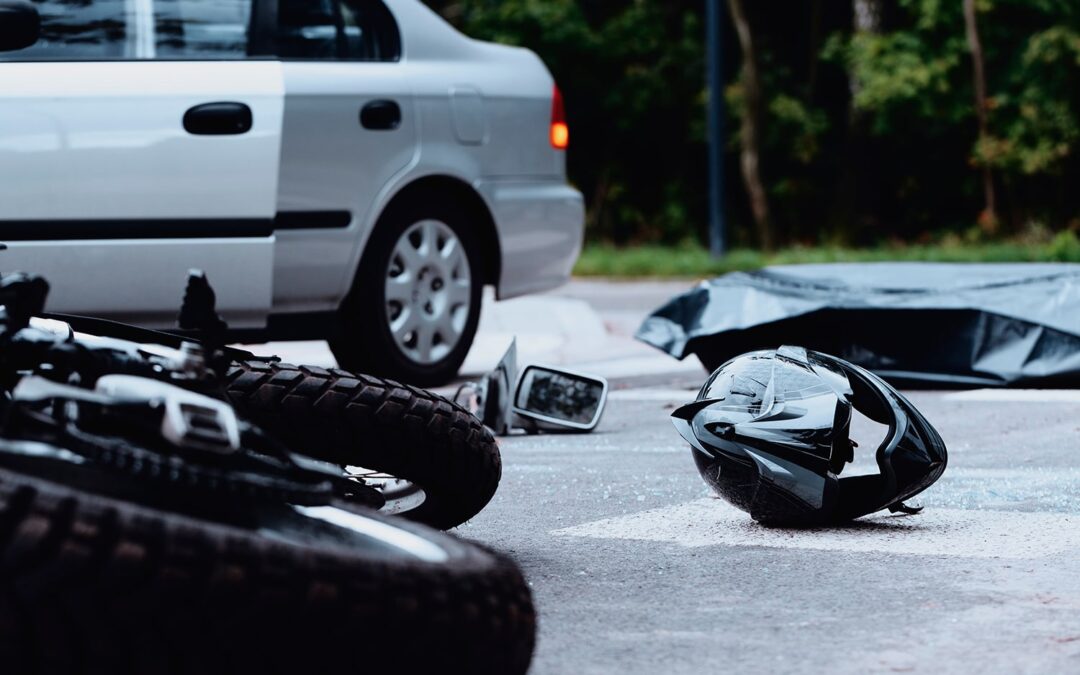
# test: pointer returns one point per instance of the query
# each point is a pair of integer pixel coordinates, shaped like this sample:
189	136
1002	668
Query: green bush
1065	247
694	261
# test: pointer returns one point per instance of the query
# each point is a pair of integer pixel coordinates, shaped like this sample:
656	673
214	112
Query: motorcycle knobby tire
354	419
93	584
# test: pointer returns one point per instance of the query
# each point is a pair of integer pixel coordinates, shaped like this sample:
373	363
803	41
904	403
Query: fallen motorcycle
145	527
433	461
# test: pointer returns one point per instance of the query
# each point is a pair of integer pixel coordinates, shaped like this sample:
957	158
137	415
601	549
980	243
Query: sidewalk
585	325
562	330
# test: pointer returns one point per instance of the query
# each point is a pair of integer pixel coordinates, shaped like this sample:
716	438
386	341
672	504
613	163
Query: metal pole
714	56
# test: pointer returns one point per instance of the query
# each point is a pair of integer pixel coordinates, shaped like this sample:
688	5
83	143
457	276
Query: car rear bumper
541	224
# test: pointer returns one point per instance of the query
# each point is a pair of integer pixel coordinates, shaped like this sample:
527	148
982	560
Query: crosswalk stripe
1016	396
939	532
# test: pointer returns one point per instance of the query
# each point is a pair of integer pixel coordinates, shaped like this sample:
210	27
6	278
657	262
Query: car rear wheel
413	311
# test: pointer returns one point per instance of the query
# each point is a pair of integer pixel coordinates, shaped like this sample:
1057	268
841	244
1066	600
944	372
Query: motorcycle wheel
97	584
381	425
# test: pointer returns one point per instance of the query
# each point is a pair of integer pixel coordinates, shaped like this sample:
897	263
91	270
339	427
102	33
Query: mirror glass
558	395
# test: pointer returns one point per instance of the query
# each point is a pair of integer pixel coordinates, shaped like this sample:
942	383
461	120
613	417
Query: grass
692	260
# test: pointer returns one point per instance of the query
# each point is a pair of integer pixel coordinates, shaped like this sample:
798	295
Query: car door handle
382	114
218	119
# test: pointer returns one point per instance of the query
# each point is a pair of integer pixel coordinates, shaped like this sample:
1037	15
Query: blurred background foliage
869	133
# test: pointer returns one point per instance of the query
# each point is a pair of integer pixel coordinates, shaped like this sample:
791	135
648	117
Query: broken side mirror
551	399
20	25
542	398
495	392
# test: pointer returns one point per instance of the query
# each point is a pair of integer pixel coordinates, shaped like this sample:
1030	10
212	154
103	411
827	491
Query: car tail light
560	133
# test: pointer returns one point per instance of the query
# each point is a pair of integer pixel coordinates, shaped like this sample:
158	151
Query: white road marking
942	532
1016	396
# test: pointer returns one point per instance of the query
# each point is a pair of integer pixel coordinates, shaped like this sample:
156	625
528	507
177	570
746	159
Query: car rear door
349	128
138	139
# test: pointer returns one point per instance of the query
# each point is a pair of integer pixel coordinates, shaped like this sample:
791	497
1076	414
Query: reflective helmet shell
769	433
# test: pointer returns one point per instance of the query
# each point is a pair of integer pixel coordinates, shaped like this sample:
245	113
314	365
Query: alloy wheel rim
428	291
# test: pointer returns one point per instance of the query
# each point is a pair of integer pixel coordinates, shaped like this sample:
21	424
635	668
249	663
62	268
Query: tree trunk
753	115
814	57
988	219
867	15
856	206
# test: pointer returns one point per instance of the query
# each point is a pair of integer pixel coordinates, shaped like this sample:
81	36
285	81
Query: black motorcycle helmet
769	433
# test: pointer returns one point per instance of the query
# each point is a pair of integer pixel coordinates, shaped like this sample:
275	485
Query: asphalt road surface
636	568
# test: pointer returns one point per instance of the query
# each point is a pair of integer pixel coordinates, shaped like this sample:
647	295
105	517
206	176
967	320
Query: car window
90	30
74	29
355	30
93	30
202	29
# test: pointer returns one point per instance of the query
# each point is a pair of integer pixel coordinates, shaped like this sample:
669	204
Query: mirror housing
496	392
20	25
553	399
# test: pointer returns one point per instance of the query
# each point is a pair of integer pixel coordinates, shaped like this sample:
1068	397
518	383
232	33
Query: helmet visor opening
866	435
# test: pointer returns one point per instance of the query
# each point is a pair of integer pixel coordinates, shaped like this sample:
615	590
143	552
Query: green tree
868	121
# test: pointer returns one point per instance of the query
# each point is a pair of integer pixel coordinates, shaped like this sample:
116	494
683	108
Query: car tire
409	315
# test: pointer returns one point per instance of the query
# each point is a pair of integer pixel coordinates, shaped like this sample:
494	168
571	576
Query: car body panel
143	280
330	162
94	150
107	139
540	232
473	112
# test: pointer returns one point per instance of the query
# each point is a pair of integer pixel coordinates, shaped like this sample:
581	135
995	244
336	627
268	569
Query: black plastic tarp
917	324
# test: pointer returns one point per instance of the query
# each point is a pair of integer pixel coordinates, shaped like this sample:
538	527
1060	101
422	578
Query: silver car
355	170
